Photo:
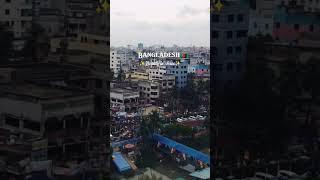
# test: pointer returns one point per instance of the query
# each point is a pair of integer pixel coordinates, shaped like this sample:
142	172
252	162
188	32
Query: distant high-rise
140	46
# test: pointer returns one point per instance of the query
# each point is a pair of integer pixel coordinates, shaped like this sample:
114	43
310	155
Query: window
296	27
229	66
215	18
267	26
12	121
7	11
229	34
215	51
238	66
238	49
230	18
98	83
215	34
35	126
277	25
229	50
26	12
311	28
240	17
241	33
8	1
255	25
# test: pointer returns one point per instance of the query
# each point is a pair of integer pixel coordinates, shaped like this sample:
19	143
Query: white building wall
115	62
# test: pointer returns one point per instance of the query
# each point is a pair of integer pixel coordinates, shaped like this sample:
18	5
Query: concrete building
62	116
83	49
18	20
124	99
290	24
179	71
229	36
307	5
115	62
199	69
140	46
261	18
78	13
149	90
58	81
156	72
121	59
31	111
51	20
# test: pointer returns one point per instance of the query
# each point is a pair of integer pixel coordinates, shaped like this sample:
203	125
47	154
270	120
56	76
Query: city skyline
184	23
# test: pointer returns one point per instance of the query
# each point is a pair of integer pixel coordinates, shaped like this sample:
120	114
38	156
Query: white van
265	176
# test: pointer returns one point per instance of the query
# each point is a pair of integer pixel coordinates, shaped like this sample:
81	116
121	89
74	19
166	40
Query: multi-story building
124	99
40	110
179	71
115	62
156	72
199	69
17	16
290	23
149	90
83	49
121	59
140	46
78	13
307	5
51	20
229	37
261	18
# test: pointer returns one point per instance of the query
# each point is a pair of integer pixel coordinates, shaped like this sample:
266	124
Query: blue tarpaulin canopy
183	149
128	141
120	162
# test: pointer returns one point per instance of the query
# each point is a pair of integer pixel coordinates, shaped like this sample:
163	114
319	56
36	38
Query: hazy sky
167	22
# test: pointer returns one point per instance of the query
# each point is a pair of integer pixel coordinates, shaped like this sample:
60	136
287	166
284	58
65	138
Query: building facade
18	20
261	18
229	37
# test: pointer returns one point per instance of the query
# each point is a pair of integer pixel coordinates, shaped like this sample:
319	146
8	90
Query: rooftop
39	92
123	90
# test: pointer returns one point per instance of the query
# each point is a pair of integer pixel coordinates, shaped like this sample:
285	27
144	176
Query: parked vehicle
265	176
284	175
